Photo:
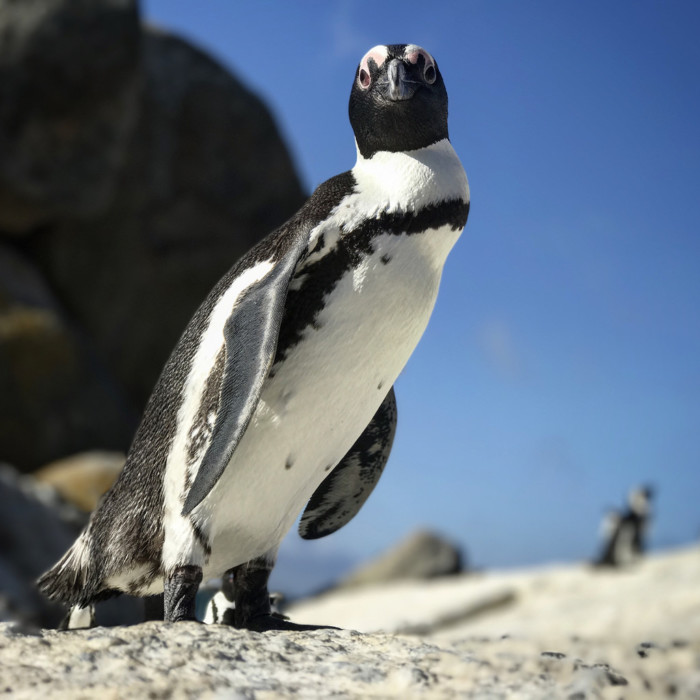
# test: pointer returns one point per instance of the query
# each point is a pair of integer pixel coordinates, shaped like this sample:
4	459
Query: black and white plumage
624	532
279	393
221	607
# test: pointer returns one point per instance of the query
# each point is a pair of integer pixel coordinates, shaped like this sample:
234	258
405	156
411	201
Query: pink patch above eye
414	52
378	55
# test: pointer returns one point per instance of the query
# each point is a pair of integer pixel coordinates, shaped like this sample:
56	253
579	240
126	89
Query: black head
398	100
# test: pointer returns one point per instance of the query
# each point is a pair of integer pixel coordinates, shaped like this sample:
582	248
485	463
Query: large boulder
135	170
55	395
206	176
422	555
69	74
82	479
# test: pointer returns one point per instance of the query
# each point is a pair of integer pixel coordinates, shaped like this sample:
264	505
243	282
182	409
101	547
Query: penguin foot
245	587
186	619
267	623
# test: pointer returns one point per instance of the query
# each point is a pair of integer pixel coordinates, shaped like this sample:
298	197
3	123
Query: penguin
78	617
279	395
625	532
222	604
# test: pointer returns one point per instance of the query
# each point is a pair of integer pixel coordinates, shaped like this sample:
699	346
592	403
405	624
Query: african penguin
280	391
220	608
625	532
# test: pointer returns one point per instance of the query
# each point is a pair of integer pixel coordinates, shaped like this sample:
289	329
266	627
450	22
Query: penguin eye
364	79
377	55
413	53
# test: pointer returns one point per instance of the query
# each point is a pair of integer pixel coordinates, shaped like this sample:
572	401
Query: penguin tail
66	581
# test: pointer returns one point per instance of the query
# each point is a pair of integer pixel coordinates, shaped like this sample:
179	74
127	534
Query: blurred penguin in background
624	532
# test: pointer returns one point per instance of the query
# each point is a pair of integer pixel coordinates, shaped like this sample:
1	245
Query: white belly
323	395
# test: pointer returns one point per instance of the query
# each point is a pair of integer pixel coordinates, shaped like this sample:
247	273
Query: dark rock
69	72
55	398
422	555
135	170
206	176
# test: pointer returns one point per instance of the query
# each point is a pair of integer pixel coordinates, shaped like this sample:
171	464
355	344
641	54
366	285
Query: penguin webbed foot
180	590
247	586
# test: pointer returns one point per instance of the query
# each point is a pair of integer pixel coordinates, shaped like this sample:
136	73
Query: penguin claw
266	623
186	618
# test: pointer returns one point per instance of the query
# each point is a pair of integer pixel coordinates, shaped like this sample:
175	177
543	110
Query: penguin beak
397	86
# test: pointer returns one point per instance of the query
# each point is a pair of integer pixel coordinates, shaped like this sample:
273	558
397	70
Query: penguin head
640	499
398	100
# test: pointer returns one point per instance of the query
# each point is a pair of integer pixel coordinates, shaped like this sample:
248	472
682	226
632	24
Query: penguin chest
326	386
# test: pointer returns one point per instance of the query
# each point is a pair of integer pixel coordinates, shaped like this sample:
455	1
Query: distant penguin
625	532
78	617
280	391
221	606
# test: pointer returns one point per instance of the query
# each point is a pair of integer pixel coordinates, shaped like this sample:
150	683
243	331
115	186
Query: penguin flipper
344	491
250	336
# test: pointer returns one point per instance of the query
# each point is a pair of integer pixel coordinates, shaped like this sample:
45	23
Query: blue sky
562	363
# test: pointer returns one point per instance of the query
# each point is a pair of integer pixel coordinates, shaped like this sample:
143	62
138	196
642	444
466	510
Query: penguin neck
410	180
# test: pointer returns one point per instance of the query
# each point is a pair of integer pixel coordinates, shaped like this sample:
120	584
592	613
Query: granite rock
135	171
82	479
69	75
188	660
56	397
206	175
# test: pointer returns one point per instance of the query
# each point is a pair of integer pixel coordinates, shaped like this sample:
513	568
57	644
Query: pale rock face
539	659
531	646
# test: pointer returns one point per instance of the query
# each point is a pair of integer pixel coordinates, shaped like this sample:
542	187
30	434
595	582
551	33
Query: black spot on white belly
289	463
202	539
386	259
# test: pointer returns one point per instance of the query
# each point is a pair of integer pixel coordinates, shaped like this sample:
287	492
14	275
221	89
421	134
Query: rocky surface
135	170
188	660
56	397
84	478
560	632
204	177
69	93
